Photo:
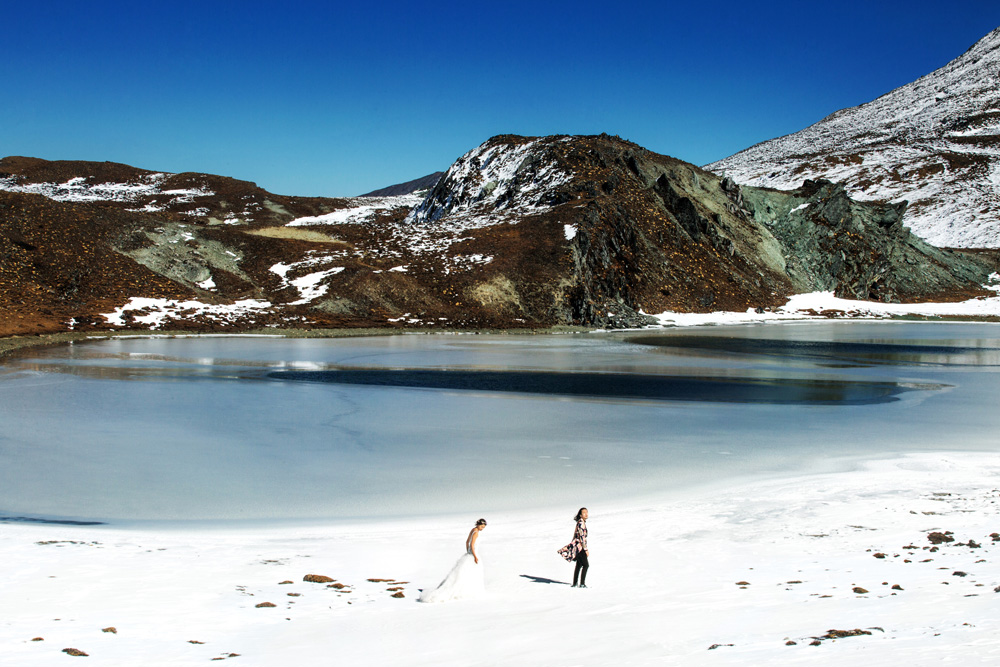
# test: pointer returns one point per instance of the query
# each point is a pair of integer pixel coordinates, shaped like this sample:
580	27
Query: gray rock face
858	250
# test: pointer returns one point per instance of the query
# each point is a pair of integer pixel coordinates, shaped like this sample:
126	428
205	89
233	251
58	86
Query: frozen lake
231	428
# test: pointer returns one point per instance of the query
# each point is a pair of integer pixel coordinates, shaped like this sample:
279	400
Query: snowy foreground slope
934	143
838	568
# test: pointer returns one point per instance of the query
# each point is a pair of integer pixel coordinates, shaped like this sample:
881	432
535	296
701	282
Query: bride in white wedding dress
465	579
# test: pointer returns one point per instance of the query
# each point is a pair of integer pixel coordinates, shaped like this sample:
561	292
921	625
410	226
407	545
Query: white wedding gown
464	581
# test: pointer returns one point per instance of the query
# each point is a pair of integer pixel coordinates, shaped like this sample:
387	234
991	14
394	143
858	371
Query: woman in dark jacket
577	550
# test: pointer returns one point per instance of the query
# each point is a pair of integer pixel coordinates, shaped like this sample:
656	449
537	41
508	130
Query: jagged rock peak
506	173
934	143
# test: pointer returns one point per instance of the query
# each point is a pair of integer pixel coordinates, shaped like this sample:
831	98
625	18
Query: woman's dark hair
579	514
481	522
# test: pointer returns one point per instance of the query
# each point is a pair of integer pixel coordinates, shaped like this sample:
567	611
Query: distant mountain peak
423	183
934	143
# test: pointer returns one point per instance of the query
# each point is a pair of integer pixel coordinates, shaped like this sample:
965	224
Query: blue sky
333	99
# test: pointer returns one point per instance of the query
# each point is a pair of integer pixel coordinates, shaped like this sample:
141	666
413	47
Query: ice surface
197	428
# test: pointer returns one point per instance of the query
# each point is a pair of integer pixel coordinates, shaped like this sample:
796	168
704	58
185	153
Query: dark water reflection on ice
665	387
269	428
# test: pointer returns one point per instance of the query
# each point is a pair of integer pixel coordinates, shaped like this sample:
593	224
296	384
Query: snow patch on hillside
359	211
310	286
156	312
79	190
823	305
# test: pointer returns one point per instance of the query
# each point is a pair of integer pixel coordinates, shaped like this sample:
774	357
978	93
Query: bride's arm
471	543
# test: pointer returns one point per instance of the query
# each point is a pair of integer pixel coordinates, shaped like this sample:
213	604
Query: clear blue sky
332	98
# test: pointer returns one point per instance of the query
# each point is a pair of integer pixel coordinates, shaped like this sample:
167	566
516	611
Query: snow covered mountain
934	143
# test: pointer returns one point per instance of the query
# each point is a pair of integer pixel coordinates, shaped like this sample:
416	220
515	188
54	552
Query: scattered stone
337	586
317	579
398	594
112	630
265	604
382	581
282	583
897	587
839	634
38	639
860	591
972	544
715	646
939	538
959	573
995	536
76	652
742	583
194	641
815	642
794	581
394	588
879	555
791	643
294	595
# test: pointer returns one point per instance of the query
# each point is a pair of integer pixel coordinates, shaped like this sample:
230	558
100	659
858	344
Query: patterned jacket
579	543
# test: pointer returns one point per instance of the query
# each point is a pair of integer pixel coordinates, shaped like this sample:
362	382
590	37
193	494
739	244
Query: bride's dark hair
481	522
578	514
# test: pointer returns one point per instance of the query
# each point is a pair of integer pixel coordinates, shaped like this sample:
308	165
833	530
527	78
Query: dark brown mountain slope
519	232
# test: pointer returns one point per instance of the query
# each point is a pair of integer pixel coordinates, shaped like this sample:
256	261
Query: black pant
582	564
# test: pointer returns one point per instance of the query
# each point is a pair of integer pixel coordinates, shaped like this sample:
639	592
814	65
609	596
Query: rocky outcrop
859	250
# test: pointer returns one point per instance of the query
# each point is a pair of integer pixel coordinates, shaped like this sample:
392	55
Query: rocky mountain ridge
934	143
520	232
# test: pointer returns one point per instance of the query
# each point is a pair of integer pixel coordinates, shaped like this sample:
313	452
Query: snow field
745	566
